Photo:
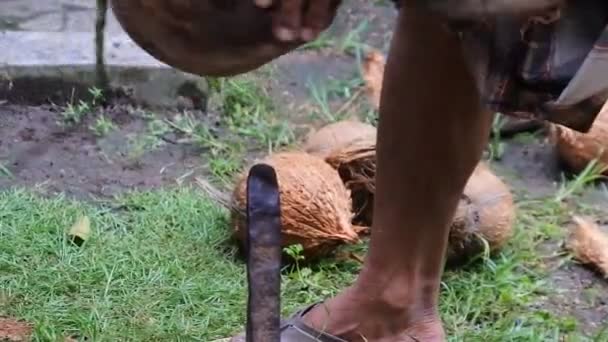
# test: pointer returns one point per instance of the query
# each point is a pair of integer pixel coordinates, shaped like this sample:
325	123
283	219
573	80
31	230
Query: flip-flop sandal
294	329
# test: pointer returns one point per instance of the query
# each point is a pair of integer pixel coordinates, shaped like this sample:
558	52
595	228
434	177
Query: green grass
247	122
159	267
149	272
75	111
102	126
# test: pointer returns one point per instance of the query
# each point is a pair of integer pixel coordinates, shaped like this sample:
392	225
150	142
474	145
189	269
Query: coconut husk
489	202
356	165
315	204
589	244
486	198
373	75
464	240
322	142
577	149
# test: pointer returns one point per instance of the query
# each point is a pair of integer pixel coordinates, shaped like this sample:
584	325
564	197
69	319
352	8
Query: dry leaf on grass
589	244
81	230
373	74
12	330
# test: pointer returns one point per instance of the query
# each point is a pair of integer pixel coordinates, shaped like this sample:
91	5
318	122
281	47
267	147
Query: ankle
408	295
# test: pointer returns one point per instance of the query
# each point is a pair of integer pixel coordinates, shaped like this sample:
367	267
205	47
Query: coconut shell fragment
589	244
577	149
315	205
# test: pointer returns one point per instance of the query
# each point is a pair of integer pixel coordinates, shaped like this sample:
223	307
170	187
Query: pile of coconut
327	195
327	191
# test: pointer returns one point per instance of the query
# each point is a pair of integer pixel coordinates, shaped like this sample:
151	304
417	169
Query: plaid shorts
551	68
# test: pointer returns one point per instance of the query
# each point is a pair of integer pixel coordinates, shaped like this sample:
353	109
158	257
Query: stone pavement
51	42
52	16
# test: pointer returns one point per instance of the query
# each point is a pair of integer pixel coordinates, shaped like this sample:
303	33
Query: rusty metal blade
264	255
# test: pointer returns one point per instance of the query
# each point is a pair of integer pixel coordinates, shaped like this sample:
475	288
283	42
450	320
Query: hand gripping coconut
203	37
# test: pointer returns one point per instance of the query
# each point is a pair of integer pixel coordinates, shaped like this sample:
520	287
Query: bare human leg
431	134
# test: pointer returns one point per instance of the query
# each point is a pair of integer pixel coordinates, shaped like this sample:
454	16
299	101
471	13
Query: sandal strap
295	330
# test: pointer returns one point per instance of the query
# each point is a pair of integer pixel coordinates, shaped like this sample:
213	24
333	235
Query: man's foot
354	316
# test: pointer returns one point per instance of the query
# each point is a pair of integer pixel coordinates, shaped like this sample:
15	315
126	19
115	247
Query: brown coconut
589	244
578	149
490	203
315	205
322	142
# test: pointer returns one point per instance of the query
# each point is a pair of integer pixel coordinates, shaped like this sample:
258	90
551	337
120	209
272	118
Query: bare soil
42	154
14	331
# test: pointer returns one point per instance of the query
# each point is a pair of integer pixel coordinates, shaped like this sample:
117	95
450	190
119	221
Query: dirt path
39	153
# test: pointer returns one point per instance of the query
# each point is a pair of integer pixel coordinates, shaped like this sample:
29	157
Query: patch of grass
102	126
334	99
247	122
149	272
5	172
350	43
324	41
249	112
496	146
158	267
75	112
590	174
149	140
